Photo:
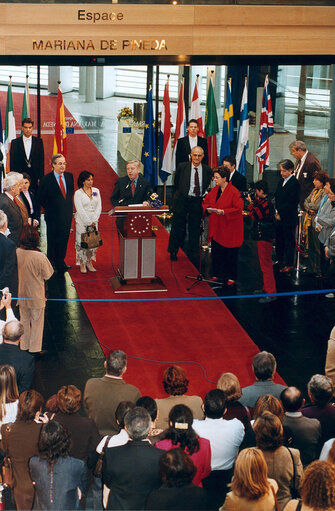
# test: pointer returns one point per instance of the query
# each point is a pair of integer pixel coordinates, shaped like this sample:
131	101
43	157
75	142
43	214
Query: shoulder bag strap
294	481
275	497
6	439
105	444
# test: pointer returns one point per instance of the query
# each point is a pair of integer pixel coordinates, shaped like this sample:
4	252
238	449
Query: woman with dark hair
20	442
60	480
34	269
177	490
181	434
9	394
175	384
87	201
224	206
230	385
284	464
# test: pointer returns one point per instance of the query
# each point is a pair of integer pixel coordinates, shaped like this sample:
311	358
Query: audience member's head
177	468
215	404
122	409
250	479
3	221
268	431
69	399
320	389
230	385
137	423
317	488
51	404
180	430
8	387
175	382
12	331
29	238
54	441
269	403
30	404
116	363
11	184
292	399
264	365
150	405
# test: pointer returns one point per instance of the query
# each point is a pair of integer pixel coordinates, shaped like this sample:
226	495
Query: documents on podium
137	263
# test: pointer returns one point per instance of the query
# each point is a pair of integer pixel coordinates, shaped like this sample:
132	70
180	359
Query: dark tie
62	187
196	190
133	187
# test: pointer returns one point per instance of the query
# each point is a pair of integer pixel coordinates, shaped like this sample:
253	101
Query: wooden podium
137	272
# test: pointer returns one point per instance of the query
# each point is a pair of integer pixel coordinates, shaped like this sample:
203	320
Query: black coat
15	220
184	150
8	265
19	162
239	181
185	497
182	179
35	214
58	210
310	166
122	196
287	199
22	361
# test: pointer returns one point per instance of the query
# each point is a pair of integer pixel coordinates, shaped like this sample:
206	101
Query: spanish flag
60	142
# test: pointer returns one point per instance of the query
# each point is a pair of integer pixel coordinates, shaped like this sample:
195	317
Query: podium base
127	286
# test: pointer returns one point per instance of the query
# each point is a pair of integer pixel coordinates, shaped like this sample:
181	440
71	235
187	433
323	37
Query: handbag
294	491
7	467
98	467
91	238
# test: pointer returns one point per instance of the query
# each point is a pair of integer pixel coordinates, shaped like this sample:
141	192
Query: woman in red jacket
224	205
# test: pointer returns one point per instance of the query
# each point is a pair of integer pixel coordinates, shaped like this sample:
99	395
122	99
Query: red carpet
201	335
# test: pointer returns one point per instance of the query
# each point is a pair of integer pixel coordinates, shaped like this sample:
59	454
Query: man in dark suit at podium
236	178
27	154
186	144
132	188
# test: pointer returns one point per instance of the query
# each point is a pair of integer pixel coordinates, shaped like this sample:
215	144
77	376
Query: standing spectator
55	194
20	440
325	223
287	199
320	392
60	481
150	405
307	165
6	303
28	197
34	270
8	259
9	394
236	178
186	144
27	154
87	202
263	213
11	188
230	385
175	384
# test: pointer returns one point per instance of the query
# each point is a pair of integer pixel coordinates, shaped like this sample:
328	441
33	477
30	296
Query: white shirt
27	145
325	449
301	164
286	179
225	438
193	141
114	441
27	196
192	182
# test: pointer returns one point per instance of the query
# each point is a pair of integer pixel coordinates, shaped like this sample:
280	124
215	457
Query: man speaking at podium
132	188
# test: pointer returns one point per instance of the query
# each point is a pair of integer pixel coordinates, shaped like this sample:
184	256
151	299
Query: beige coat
34	268
266	503
164	406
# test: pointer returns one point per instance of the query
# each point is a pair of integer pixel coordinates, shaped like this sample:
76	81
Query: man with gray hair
11	188
306	166
8	260
131	471
103	395
320	392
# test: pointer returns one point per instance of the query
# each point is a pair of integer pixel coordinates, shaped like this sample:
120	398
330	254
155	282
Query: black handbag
97	472
91	238
293	489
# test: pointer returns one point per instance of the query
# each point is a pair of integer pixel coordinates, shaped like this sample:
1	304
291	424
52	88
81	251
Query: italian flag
10	131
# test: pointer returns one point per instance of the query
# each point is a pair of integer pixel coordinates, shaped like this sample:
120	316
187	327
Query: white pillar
90	93
106	81
62	74
82	80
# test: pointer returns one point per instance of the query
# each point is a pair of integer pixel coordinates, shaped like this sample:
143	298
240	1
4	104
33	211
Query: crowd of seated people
276	454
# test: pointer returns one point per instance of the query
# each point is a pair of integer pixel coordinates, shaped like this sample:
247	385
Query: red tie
133	187
62	187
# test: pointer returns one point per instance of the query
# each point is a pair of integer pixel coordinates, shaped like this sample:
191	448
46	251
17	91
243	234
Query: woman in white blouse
87	202
9	394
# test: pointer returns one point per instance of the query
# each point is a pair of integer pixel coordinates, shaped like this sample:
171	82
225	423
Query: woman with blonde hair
250	488
230	385
9	394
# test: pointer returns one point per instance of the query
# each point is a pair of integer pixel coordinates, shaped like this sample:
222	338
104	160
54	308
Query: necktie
133	187
62	187
196	190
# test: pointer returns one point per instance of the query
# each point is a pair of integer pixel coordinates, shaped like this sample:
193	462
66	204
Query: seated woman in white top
9	394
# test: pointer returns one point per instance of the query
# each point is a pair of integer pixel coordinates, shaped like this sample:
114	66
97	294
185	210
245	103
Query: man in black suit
236	178
8	260
28	198
27	154
306	166
190	183
186	144
11	354
287	199
132	470
55	194
11	188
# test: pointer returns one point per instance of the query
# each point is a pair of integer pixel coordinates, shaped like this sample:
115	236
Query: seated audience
175	384
181	434
264	367
230	385
300	432
177	490
317	488
150	405
250	488
320	392
284	464
60	480
131	471
9	394
225	438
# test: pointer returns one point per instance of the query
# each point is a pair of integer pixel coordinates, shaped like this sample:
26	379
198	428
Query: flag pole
164	187
212	140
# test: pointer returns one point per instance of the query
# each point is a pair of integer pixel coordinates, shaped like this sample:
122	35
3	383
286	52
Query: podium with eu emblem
137	262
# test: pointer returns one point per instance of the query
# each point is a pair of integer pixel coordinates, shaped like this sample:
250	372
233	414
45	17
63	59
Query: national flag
26	102
265	129
165	148
243	134
60	141
211	126
228	124
149	144
196	109
1	145
10	130
180	131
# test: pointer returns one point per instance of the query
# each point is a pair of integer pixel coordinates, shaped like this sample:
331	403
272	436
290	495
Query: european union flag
228	126
149	144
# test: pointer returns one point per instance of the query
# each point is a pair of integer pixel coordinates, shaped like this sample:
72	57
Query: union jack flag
265	129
